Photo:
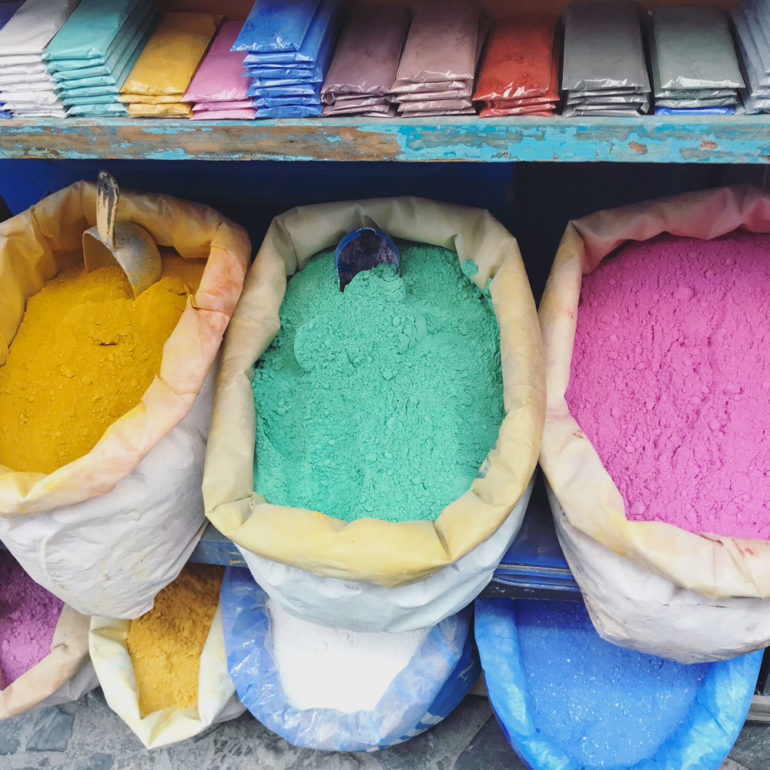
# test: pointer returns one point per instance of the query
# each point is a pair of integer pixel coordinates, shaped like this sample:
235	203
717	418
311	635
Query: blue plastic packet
289	111
278	82
311	45
305	75
284	101
6	11
5	115
274	25
302	90
92	28
695	110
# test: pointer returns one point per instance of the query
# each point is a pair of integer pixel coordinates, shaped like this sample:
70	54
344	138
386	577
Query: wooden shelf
651	139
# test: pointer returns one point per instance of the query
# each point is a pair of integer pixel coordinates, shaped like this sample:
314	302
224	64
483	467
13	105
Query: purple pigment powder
28	618
670	380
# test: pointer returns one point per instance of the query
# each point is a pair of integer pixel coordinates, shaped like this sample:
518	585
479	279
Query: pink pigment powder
28	618
670	380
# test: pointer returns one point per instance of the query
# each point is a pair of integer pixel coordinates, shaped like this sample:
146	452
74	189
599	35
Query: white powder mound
323	667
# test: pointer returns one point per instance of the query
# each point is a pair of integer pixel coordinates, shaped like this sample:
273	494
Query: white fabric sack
33	26
634	607
363	606
156	518
217	700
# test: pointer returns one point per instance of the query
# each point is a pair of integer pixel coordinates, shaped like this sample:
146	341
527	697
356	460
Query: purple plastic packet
368	52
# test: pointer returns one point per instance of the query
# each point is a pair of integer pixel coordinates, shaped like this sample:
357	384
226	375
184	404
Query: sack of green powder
653	580
165	674
109	529
43	645
370	574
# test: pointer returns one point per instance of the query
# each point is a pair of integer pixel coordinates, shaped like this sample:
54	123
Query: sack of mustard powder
100	459
165	673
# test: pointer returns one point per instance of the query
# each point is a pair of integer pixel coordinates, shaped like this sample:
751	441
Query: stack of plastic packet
694	64
26	88
218	89
6	11
752	27
438	65
519	73
604	70
288	49
157	83
365	62
94	51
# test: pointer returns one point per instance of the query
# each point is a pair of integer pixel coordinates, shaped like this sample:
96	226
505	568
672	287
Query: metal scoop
363	249
130	245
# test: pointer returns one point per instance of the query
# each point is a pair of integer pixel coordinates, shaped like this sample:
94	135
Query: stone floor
88	736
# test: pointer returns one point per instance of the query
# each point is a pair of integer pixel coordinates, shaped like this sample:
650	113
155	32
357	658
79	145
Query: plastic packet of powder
275	25
603	47
31	28
441	45
368	52
436	104
295	111
692	48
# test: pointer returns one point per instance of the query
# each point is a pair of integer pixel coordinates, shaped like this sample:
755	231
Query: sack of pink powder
43	645
656	330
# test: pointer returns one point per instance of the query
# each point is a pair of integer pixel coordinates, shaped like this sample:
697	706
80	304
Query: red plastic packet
535	111
519	60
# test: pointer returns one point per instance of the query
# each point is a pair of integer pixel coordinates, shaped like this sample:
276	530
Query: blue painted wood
650	139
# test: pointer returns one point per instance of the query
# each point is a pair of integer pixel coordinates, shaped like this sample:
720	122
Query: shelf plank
651	139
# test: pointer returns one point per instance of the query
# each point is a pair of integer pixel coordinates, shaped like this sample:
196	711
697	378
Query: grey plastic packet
368	52
693	103
692	48
603	47
435	104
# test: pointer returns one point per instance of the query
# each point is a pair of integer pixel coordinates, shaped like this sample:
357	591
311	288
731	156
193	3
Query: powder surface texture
334	668
166	643
605	706
28	618
83	355
671	380
383	400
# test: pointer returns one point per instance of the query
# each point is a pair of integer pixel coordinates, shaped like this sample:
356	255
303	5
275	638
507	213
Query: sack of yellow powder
692	593
165	673
371	574
100	496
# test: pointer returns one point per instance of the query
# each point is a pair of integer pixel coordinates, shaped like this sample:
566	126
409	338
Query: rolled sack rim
55	225
373	550
716	566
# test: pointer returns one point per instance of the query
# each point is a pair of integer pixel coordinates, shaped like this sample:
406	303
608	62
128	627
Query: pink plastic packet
235	104
218	78
367	54
441	44
225	115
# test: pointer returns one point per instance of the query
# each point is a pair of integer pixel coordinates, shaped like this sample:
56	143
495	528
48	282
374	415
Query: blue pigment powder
383	400
605	706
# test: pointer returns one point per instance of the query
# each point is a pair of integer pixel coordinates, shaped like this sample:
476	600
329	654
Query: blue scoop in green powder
383	400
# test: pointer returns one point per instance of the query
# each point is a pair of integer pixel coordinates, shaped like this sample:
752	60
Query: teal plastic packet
134	35
97	110
85	100
92	28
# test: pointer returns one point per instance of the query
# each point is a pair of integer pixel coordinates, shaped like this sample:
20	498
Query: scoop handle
107	196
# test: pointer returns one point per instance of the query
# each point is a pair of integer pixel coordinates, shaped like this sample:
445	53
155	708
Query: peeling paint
651	139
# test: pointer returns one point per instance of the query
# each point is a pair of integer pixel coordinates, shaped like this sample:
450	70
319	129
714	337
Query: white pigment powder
323	667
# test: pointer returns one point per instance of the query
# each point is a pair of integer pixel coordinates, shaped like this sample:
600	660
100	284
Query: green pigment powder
383	400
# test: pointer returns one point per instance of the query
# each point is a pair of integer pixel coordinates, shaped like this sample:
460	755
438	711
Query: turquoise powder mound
383	400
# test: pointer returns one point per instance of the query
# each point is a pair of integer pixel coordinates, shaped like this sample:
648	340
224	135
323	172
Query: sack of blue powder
371	450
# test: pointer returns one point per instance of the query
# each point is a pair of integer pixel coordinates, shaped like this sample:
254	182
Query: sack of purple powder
655	448
43	645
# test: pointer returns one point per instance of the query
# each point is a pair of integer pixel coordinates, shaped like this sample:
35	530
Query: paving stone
489	749
53	731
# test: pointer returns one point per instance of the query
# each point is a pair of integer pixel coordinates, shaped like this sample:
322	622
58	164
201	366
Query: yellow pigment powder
83	356
165	644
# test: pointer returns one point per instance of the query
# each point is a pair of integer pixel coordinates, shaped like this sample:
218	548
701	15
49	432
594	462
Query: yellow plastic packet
177	110
171	56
